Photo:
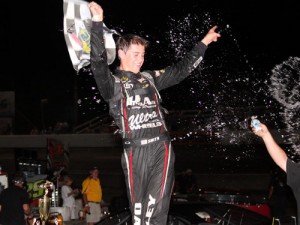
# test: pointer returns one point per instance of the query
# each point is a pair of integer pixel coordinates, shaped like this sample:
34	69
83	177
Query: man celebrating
135	104
92	196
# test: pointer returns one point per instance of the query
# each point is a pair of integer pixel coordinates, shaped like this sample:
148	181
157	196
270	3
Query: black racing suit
134	100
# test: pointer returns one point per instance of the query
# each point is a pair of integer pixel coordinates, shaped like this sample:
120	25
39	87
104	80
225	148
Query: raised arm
177	72
211	36
99	65
276	152
97	11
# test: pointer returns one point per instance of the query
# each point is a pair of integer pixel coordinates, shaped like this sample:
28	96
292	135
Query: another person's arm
276	152
66	193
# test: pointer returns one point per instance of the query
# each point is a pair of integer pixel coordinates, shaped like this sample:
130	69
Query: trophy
44	202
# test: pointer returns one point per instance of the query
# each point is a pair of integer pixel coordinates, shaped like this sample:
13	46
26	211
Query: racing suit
134	102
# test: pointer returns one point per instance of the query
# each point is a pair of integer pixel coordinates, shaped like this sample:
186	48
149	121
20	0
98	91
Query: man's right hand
211	36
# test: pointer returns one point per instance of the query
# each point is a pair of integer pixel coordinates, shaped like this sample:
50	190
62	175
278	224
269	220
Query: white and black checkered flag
77	32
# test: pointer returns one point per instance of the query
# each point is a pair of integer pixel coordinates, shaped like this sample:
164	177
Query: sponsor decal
150	209
197	62
137	101
128	86
124	79
144	83
140	121
34	190
137	213
147	141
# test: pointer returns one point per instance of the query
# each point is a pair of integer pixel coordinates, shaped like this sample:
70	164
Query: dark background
256	35
230	85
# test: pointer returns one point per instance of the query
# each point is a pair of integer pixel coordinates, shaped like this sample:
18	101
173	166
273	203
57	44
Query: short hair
94	168
126	40
67	178
18	178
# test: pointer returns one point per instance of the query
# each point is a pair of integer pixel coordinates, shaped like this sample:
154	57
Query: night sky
254	39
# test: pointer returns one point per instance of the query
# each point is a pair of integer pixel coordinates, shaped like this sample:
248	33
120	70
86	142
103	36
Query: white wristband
97	18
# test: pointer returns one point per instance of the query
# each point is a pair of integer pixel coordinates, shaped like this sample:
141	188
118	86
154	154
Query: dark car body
197	212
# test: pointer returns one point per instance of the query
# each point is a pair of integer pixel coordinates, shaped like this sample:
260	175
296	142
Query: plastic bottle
255	122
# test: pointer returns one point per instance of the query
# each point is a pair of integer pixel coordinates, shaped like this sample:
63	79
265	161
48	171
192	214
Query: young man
279	156
15	203
92	196
134	100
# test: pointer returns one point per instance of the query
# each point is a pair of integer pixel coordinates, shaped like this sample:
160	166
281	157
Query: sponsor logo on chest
138	101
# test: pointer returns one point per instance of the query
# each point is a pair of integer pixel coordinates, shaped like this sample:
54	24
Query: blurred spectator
34	130
61	128
68	196
92	196
15	203
186	182
279	193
